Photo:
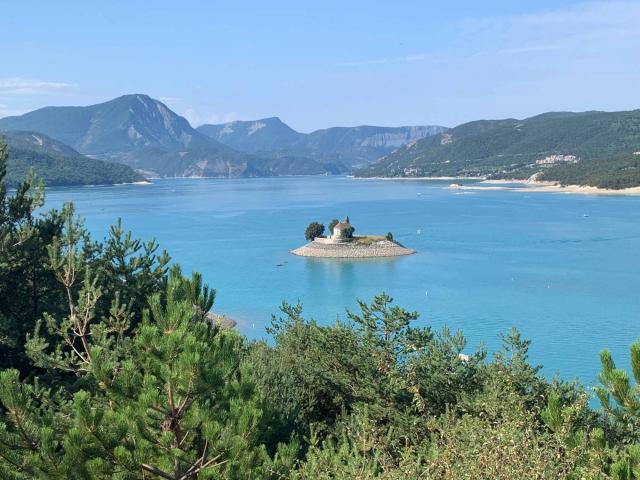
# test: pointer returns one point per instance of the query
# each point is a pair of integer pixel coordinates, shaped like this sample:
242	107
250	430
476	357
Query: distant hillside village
555	159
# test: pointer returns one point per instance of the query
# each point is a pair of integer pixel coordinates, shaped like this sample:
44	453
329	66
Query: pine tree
122	265
27	286
130	267
171	399
619	397
627	467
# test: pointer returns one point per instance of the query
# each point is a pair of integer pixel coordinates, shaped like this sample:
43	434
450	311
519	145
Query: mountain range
137	131
57	164
143	133
349	146
591	148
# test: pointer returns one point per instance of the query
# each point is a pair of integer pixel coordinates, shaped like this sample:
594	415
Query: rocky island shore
342	243
353	249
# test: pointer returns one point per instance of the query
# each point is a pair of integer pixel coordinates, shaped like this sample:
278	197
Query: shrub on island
347	232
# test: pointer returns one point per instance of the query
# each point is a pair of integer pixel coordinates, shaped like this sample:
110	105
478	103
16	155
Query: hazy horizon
331	65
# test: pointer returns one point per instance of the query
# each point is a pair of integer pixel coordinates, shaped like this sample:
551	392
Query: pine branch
157	471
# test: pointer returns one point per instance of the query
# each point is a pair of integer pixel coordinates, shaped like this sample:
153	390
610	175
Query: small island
342	243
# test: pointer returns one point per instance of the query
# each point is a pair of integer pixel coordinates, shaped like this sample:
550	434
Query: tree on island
332	224
313	231
390	236
348	232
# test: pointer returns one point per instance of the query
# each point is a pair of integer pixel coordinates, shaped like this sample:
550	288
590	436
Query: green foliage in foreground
112	370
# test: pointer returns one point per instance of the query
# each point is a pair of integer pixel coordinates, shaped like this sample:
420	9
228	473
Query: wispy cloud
169	99
577	57
6	111
589	27
27	86
196	117
417	57
582	28
525	49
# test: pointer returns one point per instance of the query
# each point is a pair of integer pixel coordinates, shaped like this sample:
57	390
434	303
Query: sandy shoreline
417	178
527	186
553	187
535	186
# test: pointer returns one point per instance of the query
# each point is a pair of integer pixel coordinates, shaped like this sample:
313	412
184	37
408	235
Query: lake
564	269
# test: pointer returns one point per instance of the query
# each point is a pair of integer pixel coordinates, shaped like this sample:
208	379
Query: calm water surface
564	269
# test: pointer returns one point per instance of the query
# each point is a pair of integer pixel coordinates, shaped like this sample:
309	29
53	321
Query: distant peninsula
594	149
57	164
342	243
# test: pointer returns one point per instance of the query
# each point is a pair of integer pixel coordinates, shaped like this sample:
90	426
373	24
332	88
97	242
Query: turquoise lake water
564	269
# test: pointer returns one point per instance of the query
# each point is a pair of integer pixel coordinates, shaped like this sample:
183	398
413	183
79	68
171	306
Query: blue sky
320	64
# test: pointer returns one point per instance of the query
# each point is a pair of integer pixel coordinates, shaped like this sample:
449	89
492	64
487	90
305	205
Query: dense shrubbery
111	370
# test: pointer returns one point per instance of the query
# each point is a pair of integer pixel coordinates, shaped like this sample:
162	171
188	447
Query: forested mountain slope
58	164
552	144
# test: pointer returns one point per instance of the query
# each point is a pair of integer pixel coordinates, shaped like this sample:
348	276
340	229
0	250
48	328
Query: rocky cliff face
349	146
264	135
394	138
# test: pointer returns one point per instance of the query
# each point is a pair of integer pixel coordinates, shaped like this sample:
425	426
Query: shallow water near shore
564	269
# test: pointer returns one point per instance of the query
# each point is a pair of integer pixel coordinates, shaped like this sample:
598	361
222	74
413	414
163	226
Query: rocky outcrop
381	248
220	321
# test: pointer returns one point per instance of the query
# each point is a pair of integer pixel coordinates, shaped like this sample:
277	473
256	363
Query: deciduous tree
314	230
